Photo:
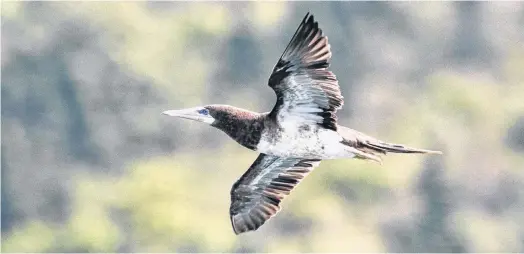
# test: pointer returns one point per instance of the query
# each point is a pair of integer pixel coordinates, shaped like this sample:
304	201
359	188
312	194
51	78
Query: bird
296	135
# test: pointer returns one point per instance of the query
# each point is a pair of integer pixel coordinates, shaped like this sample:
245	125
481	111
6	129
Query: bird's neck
243	126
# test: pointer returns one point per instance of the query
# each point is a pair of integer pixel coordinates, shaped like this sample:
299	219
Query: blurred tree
90	165
470	46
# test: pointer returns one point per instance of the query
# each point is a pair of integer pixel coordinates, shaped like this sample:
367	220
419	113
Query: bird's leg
366	156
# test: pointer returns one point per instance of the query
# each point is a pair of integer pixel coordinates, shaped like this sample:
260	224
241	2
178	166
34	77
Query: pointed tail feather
384	147
367	147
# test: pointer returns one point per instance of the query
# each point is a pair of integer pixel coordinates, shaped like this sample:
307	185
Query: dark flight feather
305	89
256	196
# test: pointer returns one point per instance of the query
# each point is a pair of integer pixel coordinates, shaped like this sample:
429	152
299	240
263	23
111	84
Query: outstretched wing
306	91
256	196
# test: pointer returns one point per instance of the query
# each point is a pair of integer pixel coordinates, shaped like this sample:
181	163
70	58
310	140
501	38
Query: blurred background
89	164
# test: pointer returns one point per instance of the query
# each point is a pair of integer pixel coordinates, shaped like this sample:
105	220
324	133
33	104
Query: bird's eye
203	111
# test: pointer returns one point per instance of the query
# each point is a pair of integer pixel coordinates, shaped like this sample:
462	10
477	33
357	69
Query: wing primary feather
300	79
257	195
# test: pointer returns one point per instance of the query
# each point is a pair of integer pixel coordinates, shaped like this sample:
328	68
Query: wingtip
236	232
309	18
239	224
234	223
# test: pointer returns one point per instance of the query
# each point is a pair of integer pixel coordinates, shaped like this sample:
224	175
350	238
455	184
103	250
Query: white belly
315	143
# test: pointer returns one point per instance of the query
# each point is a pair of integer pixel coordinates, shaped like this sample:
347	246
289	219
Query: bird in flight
299	132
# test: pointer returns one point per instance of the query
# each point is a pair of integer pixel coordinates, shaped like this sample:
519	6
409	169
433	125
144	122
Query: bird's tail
383	147
369	148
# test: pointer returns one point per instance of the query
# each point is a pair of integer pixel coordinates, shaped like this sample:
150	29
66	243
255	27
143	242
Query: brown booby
299	132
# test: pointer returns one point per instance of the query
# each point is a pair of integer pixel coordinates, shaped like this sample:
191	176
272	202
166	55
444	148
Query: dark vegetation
90	164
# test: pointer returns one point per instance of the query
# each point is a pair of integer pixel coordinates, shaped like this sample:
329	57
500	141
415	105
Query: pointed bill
197	114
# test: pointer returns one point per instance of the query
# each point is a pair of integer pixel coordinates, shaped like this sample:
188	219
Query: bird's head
214	115
203	114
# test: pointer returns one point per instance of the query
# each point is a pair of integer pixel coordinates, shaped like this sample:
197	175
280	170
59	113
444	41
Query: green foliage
35	236
171	204
90	165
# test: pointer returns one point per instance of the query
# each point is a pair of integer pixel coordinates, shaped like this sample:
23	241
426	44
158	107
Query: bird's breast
310	141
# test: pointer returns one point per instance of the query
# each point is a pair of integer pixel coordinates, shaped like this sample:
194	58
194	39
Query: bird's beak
192	114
